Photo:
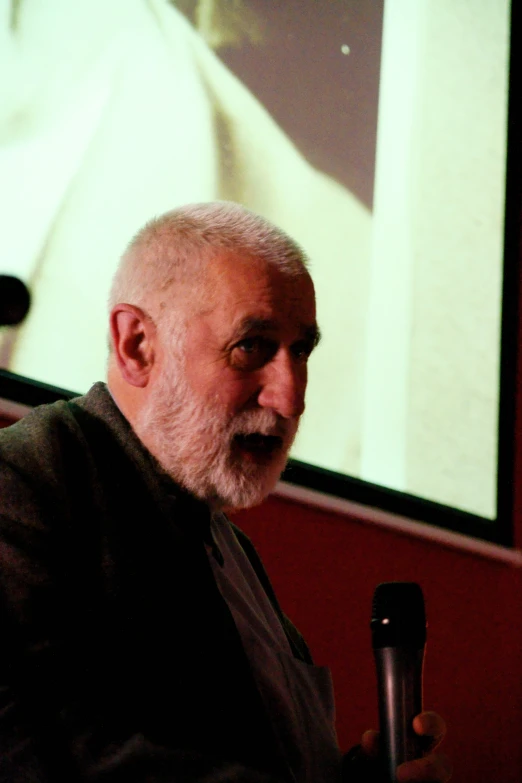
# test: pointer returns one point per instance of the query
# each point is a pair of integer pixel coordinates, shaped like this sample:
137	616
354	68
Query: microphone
398	628
14	300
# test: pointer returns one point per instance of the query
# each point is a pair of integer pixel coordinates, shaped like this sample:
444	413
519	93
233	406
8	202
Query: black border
510	327
29	392
415	508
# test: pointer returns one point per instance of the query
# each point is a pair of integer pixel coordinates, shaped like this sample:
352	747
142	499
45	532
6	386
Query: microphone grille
398	615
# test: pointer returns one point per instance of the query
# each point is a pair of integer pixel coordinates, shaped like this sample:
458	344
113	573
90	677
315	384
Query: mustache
264	422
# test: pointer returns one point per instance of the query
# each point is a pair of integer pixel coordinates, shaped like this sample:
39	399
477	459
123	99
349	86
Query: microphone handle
399	682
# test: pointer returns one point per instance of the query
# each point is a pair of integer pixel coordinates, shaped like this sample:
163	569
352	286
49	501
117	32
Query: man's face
222	419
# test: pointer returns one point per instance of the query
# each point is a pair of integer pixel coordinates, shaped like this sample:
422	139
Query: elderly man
142	639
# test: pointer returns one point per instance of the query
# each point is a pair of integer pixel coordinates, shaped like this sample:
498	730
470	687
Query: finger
431	726
370	743
435	768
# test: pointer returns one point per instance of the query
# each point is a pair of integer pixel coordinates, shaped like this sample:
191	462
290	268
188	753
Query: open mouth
259	445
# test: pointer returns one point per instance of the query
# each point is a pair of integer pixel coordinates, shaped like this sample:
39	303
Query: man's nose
283	386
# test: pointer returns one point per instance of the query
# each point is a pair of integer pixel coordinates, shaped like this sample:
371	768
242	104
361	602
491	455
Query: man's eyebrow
313	333
252	324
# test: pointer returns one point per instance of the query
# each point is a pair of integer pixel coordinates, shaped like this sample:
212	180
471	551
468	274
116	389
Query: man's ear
133	336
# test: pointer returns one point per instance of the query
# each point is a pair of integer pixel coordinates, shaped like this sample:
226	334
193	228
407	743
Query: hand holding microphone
404	748
398	638
433	767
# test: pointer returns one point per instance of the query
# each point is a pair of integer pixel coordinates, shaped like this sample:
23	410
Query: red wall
325	567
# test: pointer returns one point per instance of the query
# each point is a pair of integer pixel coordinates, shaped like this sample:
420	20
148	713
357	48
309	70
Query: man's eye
253	352
302	349
249	345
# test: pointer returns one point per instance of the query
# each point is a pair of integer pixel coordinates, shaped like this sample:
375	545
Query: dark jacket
119	658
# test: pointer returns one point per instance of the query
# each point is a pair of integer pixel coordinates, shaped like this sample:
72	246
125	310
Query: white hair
177	247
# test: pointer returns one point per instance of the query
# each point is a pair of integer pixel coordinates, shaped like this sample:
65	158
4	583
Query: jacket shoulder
38	454
33	441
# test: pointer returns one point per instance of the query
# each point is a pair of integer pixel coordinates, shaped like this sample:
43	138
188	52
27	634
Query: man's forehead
241	272
235	265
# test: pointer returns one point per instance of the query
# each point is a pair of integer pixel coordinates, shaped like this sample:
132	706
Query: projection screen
374	133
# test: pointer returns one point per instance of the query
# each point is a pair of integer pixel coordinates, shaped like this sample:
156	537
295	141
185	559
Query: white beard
194	443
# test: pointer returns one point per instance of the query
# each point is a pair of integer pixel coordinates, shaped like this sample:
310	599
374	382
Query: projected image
374	136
